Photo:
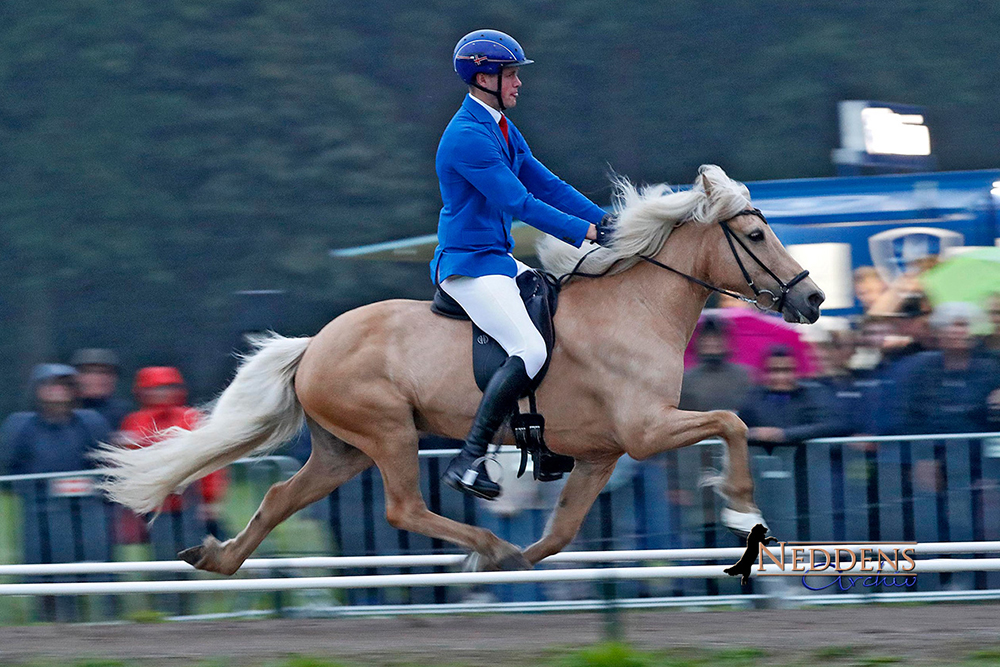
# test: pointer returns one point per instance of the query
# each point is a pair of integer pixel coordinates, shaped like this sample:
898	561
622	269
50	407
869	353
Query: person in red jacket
161	392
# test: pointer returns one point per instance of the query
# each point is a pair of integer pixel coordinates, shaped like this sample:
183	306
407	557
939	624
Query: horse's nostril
816	298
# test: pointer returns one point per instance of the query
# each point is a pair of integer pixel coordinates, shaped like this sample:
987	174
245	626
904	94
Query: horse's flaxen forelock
646	216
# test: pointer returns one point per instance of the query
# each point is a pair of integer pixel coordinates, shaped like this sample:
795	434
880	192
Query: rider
488	176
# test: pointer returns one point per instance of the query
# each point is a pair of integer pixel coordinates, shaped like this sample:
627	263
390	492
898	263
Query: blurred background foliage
157	157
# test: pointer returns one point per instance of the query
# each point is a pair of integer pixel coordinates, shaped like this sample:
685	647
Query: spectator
162	395
992	341
868	286
785	411
947	390
183	519
56	437
715	383
909	330
833	351
872	377
97	377
63	518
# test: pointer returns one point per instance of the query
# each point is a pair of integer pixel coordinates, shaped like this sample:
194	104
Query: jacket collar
477	110
483	116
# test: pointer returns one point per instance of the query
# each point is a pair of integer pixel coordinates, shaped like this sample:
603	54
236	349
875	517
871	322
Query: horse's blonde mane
646	216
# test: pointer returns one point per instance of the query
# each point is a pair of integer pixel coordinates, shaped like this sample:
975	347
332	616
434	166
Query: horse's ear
706	185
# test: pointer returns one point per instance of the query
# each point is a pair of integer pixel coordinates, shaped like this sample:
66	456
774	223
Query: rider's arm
481	163
556	192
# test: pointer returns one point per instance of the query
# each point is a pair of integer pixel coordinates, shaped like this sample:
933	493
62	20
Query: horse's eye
756	236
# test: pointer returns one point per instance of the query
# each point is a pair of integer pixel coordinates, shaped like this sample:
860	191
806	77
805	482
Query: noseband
764	299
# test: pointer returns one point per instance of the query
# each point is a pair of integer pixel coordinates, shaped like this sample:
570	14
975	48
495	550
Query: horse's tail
256	413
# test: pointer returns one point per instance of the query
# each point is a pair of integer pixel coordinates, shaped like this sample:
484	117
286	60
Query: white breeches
494	304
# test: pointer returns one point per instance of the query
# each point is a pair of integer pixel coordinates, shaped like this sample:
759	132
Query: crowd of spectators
916	370
75	409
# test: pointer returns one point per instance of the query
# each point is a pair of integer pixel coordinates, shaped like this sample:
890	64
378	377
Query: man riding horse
376	377
488	176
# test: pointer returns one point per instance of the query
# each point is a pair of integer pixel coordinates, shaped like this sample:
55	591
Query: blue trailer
834	225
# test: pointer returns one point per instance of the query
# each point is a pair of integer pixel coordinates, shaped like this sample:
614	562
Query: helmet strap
496	93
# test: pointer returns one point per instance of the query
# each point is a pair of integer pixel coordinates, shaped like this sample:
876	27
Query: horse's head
747	257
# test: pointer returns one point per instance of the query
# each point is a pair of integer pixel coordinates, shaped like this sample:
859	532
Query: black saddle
540	294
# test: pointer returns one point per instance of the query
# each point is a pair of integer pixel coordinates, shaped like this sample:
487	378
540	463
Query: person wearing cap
56	436
97	378
63	518
488	176
162	396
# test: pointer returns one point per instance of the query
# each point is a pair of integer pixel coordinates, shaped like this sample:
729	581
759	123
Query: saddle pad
540	298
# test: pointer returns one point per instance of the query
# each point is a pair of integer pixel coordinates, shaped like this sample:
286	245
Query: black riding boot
467	471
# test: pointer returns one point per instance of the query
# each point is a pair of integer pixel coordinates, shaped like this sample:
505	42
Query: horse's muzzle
803	302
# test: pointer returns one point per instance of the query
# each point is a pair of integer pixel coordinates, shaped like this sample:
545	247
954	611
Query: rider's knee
534	354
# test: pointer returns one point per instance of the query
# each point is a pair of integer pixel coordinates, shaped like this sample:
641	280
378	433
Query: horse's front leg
577	497
670	428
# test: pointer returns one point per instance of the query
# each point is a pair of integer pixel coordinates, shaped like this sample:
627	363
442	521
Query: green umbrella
971	276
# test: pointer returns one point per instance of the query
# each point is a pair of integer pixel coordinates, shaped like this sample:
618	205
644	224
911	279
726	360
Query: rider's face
510	83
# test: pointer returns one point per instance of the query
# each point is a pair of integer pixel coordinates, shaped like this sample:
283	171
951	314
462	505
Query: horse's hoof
515	561
193	555
472	563
741	523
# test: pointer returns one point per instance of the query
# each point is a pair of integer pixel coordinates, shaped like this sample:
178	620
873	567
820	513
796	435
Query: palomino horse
376	377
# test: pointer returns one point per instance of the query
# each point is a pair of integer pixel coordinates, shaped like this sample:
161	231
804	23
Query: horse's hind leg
331	463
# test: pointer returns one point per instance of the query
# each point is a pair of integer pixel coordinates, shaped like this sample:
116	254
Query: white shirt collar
493	112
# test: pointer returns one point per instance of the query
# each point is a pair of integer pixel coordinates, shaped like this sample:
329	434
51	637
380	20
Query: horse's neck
652	300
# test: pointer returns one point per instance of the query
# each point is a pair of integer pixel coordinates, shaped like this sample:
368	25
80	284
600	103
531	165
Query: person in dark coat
948	390
57	436
63	517
785	411
97	378
715	383
833	350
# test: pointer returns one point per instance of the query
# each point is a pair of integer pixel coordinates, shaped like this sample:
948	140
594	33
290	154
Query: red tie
503	128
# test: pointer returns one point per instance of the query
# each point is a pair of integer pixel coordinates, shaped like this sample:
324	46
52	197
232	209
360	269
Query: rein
773	301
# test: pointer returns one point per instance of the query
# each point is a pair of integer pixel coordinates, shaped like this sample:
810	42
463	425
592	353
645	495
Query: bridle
764	299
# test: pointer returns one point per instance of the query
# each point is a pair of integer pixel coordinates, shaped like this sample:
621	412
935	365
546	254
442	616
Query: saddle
541	298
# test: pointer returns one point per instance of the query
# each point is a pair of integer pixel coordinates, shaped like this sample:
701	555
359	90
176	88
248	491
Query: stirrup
465	481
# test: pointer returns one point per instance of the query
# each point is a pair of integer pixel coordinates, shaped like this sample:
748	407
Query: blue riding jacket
484	186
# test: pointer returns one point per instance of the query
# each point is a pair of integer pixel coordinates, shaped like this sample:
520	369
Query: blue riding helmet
487	52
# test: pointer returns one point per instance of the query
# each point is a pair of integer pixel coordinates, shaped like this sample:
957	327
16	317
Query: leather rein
764	299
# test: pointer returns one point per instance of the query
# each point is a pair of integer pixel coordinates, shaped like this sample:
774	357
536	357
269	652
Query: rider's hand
604	229
592	233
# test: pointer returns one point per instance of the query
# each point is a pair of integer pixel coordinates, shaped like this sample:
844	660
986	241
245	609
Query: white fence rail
612	574
435	560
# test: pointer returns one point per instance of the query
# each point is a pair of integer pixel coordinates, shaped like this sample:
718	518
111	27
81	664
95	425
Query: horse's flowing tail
256	413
